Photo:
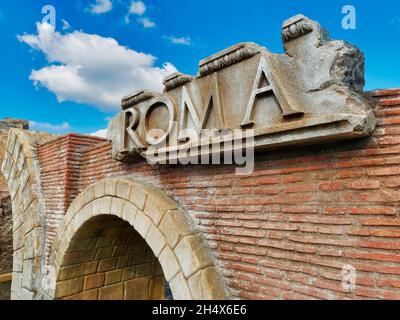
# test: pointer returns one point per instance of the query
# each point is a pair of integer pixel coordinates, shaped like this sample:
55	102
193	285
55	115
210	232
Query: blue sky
71	78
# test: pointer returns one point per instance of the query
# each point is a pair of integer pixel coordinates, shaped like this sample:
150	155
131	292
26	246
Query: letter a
267	83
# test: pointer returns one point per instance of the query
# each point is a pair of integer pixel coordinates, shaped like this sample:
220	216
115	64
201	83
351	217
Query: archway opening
107	259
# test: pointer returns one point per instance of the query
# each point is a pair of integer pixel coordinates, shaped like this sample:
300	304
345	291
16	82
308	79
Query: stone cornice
175	80
137	97
227	57
296	27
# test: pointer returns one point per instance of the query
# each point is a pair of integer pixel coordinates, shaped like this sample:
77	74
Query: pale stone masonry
6	246
21	171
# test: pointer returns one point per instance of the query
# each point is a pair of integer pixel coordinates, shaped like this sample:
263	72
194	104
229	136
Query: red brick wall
287	230
61	160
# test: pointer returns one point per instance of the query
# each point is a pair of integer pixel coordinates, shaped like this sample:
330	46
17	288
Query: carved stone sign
310	94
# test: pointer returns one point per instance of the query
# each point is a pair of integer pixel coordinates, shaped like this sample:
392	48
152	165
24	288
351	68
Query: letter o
161	100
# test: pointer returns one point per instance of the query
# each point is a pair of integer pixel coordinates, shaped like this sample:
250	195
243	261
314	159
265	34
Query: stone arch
170	233
21	170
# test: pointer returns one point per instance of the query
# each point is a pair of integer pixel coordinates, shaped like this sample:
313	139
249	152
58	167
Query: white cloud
101	133
186	41
88	68
66	25
137	7
147	23
45	126
100	6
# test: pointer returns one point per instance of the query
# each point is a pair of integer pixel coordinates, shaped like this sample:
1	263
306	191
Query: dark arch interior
108	260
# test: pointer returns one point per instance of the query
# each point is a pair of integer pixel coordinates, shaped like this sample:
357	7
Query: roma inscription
310	94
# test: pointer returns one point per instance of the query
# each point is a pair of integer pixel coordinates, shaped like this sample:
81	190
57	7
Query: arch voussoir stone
191	264
166	229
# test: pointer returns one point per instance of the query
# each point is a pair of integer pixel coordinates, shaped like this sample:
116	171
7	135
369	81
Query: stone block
103	242
129	212
117	206
143	270
26	294
141	224
129	273
68	287
27	196
123	189
28	273
155	239
18	238
31	219
77	257
169	263
113	292
89	295
192	255
18	257
70	272
110	187
81	217
103	253
156	269
83	198
175	225
105	205
123	262
99	206
119	250
179	287
24	177
136	289
77	270
86	211
206	284
136	245
16	284
82	244
137	258
20	161
108	264
29	245
138	196
113	277
99	189
157	204
94	281
156	289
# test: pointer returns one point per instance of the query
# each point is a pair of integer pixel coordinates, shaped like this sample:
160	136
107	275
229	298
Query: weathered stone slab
309	94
